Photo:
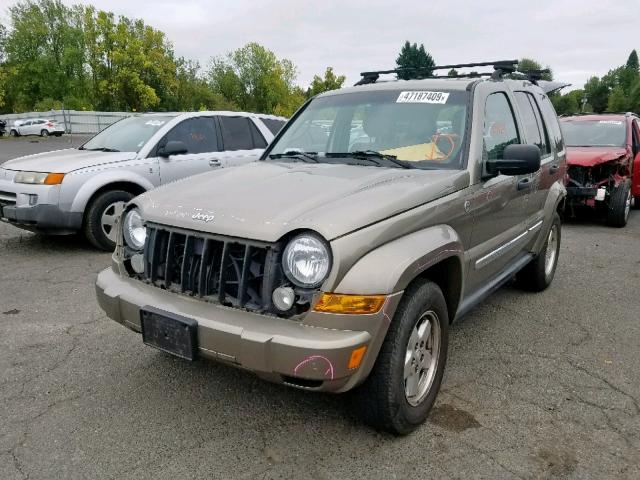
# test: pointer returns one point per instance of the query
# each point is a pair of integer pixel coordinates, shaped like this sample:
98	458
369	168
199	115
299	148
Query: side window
258	139
500	128
551	118
273	125
198	134
532	122
236	133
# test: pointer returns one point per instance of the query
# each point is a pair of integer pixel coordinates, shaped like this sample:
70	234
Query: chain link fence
74	121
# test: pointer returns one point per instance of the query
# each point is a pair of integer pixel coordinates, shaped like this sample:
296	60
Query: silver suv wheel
552	250
108	220
421	358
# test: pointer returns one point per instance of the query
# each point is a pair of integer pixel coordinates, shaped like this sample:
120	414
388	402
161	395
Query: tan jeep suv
379	215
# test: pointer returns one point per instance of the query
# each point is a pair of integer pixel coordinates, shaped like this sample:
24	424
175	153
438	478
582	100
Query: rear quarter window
273	125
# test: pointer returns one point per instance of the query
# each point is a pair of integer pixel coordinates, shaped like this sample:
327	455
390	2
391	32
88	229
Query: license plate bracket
169	332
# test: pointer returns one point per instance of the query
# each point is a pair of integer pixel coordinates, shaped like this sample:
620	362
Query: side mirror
517	159
174	147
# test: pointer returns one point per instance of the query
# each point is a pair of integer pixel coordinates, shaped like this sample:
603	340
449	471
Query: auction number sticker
610	122
423	97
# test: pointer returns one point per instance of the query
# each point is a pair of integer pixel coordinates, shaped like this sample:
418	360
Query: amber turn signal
356	357
349	304
54	179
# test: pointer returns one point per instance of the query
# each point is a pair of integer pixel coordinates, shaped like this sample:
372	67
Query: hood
266	200
65	161
591	156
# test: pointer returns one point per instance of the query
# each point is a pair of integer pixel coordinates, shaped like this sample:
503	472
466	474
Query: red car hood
591	156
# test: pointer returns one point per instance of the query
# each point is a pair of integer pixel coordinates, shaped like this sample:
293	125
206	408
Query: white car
36	126
86	188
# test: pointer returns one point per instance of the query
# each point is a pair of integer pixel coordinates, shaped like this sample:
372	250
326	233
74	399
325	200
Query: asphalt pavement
537	385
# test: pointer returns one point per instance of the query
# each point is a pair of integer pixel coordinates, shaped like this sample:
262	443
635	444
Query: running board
479	295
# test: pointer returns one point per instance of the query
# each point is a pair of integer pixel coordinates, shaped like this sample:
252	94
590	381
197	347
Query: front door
497	205
200	137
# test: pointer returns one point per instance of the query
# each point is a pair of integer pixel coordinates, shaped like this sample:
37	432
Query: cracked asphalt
537	385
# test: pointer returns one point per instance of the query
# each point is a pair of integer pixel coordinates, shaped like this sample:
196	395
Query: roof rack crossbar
499	66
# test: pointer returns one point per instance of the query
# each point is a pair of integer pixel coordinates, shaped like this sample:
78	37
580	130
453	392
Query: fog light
33	199
283	298
137	263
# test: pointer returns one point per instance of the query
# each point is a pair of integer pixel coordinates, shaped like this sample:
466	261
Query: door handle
214	162
524	184
554	169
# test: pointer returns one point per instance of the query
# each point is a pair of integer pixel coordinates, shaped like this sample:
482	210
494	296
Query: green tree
528	64
618	100
253	78
452	73
597	92
569	103
632	62
415	61
329	82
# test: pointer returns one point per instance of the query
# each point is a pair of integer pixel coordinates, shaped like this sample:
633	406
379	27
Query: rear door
536	133
498	203
241	141
200	136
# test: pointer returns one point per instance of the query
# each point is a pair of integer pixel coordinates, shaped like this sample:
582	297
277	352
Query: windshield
417	129
594	133
127	135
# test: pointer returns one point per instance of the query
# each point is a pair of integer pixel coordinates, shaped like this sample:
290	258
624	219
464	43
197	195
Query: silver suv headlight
306	260
135	233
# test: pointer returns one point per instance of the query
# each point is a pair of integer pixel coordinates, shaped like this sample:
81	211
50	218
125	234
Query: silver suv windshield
127	135
390	128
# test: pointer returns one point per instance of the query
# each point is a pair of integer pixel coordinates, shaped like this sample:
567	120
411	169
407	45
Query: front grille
7	198
233	272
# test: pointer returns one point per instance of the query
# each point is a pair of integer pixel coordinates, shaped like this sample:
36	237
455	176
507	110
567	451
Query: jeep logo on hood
203	217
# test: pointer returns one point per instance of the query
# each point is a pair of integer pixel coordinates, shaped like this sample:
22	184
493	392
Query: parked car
37	126
603	155
328	268
85	189
3	128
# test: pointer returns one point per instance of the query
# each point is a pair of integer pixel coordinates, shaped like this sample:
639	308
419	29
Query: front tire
619	205
14	133
538	274
405	380
101	216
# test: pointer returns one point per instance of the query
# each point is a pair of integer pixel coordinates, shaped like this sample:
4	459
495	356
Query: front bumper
35	207
42	218
311	354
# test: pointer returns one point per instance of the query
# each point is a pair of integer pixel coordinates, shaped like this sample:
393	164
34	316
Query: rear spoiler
552	87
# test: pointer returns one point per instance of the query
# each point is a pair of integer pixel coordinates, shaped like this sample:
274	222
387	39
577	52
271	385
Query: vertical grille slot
215	269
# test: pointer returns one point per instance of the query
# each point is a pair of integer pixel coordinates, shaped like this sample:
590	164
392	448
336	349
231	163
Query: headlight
306	260
39	178
135	233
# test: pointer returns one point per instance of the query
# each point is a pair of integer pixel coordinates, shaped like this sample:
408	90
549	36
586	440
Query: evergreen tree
415	60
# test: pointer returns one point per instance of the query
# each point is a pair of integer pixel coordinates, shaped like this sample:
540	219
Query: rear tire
409	361
44	133
100	217
619	205
538	274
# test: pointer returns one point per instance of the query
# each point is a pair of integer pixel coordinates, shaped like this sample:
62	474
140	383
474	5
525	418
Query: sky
577	38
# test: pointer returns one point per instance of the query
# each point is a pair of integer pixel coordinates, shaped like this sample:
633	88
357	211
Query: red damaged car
603	158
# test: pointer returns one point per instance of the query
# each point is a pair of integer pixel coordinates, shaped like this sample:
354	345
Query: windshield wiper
372	156
102	149
304	156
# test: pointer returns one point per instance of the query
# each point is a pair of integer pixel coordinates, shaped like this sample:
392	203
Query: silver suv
379	215
84	189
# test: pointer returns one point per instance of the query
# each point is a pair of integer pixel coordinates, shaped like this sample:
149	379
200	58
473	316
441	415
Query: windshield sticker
155	123
423	97
610	122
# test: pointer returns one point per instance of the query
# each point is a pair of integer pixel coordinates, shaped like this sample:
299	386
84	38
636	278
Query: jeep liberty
379	215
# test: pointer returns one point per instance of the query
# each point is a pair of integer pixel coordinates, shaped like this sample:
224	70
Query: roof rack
500	67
